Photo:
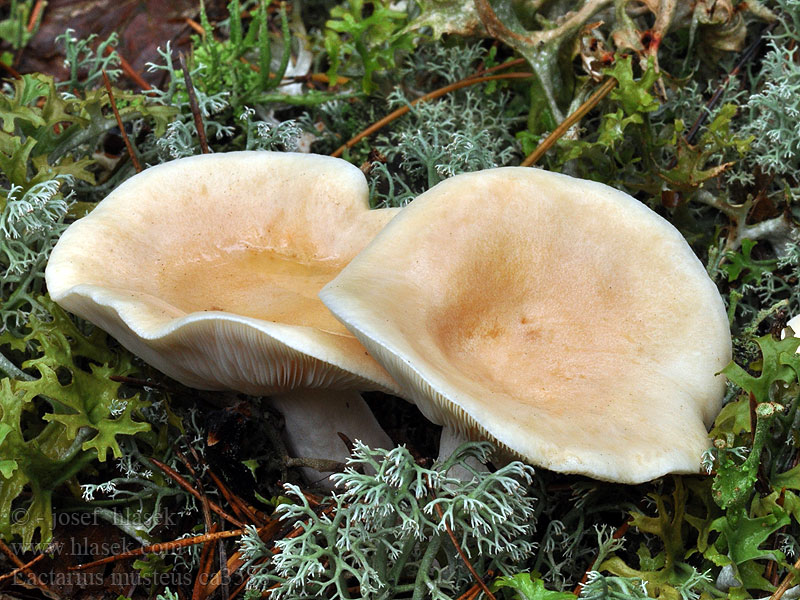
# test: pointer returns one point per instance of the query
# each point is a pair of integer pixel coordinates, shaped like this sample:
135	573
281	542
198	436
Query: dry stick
224	573
471	593
129	71
204	501
206	557
188	487
11	70
573	118
195	25
22	568
500	67
238	505
35	14
274	550
268	532
198	118
162	547
785	584
134	159
430	96
31	575
478	578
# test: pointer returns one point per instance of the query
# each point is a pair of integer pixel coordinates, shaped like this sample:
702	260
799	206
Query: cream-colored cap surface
209	267
559	317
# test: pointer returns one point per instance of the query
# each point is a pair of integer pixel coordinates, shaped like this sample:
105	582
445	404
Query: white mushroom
208	268
560	318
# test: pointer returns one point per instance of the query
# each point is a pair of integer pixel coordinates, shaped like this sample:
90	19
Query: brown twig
22	568
189	488
129	71
429	96
31	575
134	159
786	583
198	118
204	567
506	65
471	593
162	547
239	506
268	533
223	571
11	70
478	579
573	118
196	26
232	564
35	14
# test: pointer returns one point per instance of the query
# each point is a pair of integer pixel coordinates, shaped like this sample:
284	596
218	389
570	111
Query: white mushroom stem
315	417
449	442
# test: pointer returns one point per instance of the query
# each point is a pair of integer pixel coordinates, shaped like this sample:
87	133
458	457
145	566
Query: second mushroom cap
559	317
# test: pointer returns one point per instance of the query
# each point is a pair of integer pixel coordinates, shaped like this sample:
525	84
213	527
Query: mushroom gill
561	318
208	268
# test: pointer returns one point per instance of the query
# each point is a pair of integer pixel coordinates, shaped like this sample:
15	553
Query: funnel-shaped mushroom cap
209	267
558	317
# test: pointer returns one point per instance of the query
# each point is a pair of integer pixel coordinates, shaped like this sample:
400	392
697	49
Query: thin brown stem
198	118
204	568
11	70
224	573
129	71
163	547
239	506
506	65
471	593
36	14
786	583
195	26
573	118
22	568
189	488
134	159
31	575
429	96
478	579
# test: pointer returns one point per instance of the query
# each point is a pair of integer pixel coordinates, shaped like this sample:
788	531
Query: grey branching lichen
31	222
86	60
250	131
464	131
775	109
385	533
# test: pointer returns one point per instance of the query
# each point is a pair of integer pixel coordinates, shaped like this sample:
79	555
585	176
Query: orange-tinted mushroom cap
561	318
209	267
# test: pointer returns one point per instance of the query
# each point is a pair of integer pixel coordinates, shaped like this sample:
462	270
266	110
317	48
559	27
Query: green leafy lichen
83	417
